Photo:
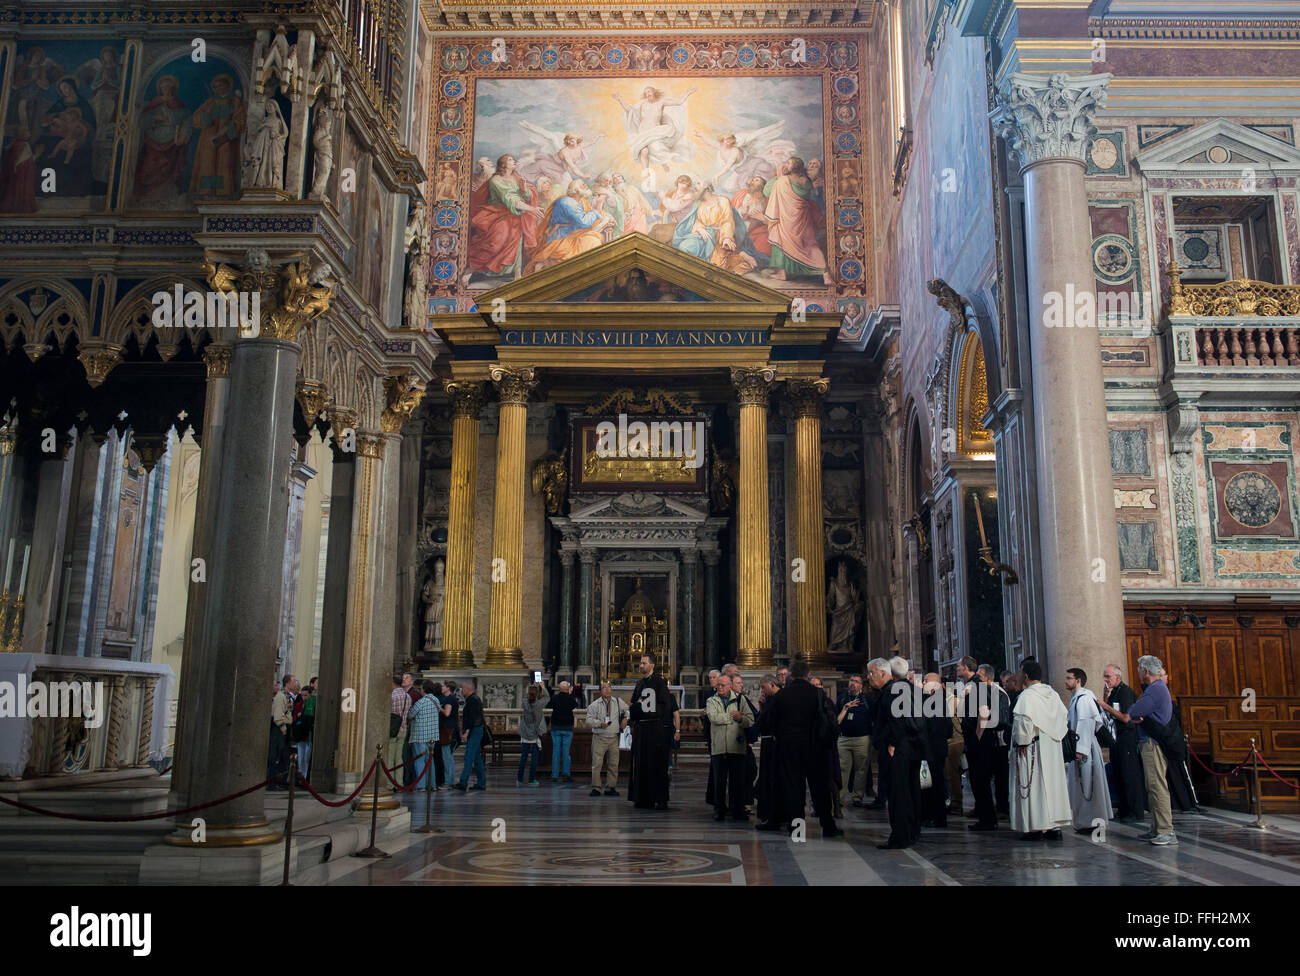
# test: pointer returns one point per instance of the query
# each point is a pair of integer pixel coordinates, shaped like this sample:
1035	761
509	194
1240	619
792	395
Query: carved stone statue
263	161
322	144
723	489
416	299
551	479
432	598
843	603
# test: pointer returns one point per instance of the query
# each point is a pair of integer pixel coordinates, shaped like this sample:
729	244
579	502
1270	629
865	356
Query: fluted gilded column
805	397
1049	122
458	606
505	611
754	599
564	659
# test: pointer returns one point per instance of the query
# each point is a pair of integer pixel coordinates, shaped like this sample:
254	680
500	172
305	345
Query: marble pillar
690	563
505	614
1049	122
334	605
233	638
805	398
586	587
458	606
192	733
299	474
564	659
712	650
754	597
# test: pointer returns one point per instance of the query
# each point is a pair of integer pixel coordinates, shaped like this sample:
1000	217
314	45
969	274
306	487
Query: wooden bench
1278	743
1199	711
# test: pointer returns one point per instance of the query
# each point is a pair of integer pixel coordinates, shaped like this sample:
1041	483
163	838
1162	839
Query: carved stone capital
99	361
312	397
1049	118
514	385
289	298
341	419
466	398
403	393
805	396
370	444
753	384
217	357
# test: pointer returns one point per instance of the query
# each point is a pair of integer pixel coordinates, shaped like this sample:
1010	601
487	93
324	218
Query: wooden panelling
1277	741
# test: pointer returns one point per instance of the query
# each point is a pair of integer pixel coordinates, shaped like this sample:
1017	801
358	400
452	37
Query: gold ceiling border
539	15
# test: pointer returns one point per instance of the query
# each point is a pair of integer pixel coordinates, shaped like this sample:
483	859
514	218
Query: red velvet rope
1287	782
346	800
1211	771
407	789
136	819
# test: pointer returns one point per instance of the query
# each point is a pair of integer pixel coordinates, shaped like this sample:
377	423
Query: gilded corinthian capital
1049	118
753	384
513	384
805	396
289	298
466	398
403	394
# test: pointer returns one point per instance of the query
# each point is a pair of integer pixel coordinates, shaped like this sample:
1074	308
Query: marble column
191	732
241	614
300	472
564	660
690	562
506	606
712	652
754	603
1049	122
458	606
334	606
586	586
805	398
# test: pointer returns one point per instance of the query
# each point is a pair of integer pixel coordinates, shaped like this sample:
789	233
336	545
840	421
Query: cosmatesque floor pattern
558	834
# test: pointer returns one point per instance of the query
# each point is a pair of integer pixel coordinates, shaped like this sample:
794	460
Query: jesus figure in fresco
656	128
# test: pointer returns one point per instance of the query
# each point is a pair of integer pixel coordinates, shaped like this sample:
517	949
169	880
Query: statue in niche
725	470
417	290
843	603
322	144
264	147
432	596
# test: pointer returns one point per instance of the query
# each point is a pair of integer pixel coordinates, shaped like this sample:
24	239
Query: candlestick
22	580
979	517
9	569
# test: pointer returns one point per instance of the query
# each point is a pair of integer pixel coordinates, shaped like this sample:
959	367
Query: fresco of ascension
728	171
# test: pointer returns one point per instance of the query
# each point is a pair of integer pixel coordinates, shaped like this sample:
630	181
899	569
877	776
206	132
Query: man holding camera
855	741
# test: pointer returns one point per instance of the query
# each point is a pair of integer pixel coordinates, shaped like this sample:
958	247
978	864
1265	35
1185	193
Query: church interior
511	342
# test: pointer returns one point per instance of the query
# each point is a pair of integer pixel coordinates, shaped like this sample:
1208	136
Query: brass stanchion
377	769
1259	800
288	820
428	828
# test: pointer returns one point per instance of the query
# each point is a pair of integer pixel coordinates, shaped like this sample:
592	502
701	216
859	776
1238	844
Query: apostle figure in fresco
751	204
220	121
713	229
636	208
164	142
572	225
503	215
18	175
794	220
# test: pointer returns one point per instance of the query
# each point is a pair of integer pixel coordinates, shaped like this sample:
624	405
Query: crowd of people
898	741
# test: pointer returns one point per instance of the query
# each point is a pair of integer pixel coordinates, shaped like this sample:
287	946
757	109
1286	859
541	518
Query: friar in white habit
1086	776
1040	801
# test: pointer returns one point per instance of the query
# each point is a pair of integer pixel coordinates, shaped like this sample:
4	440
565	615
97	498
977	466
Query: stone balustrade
1239	324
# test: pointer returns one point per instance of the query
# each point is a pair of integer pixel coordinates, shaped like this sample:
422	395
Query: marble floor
560	834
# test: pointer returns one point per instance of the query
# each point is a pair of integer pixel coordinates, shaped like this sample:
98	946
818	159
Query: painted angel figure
656	128
741	156
561	155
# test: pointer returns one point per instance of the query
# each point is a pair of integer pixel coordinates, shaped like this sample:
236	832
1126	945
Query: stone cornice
1195	29
470	16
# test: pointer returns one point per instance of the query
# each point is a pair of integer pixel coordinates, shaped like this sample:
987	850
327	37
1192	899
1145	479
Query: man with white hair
1040	798
900	734
606	717
1124	755
1157	707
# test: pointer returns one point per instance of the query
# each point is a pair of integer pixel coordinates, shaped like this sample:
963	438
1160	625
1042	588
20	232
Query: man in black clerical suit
902	738
652	737
986	726
1125	761
802	754
769	808
938	730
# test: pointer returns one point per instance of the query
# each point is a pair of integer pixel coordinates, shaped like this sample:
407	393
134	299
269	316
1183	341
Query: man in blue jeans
472	735
562	705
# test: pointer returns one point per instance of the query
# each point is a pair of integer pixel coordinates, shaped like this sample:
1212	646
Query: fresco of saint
220	121
503	215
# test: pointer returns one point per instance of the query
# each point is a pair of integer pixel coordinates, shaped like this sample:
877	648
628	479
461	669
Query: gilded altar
637	630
